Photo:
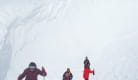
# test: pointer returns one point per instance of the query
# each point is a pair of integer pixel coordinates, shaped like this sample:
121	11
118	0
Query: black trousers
86	79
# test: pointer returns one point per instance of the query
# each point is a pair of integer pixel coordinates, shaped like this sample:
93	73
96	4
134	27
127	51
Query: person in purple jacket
32	72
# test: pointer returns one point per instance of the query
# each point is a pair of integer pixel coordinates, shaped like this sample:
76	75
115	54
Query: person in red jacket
86	73
32	72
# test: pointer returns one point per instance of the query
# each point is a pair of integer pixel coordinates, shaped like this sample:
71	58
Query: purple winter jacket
32	75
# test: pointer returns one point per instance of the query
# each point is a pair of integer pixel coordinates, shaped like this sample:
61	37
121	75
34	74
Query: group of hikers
32	72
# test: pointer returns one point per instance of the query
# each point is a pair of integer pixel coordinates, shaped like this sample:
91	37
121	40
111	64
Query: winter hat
32	64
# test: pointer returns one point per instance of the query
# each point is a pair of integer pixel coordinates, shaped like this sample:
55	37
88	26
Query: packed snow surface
58	34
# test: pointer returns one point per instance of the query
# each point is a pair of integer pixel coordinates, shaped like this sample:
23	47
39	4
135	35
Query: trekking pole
94	74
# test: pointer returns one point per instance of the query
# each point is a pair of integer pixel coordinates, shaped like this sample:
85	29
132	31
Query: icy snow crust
58	34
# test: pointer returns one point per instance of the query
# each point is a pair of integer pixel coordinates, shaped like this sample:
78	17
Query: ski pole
94	75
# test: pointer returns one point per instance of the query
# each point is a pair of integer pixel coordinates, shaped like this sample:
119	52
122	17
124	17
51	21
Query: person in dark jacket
86	73
86	63
67	75
32	72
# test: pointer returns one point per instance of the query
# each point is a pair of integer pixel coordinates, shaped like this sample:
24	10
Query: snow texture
58	34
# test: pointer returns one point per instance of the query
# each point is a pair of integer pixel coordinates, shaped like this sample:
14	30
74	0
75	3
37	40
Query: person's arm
22	75
71	76
88	62
64	75
92	71
42	72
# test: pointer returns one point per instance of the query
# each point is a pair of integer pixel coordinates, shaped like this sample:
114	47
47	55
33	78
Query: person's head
68	70
86	57
32	66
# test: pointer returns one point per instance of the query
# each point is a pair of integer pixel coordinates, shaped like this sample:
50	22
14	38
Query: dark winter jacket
32	75
86	63
67	76
86	73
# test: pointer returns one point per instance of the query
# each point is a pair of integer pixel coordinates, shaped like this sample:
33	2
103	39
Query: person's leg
86	79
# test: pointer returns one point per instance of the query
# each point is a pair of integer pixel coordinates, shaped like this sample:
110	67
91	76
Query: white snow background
58	34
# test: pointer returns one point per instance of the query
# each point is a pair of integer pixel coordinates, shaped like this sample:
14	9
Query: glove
93	72
43	70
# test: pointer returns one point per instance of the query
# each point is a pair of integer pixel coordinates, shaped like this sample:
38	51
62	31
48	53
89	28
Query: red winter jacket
32	75
86	73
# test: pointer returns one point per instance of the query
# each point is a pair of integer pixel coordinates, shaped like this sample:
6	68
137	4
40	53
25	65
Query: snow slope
58	34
